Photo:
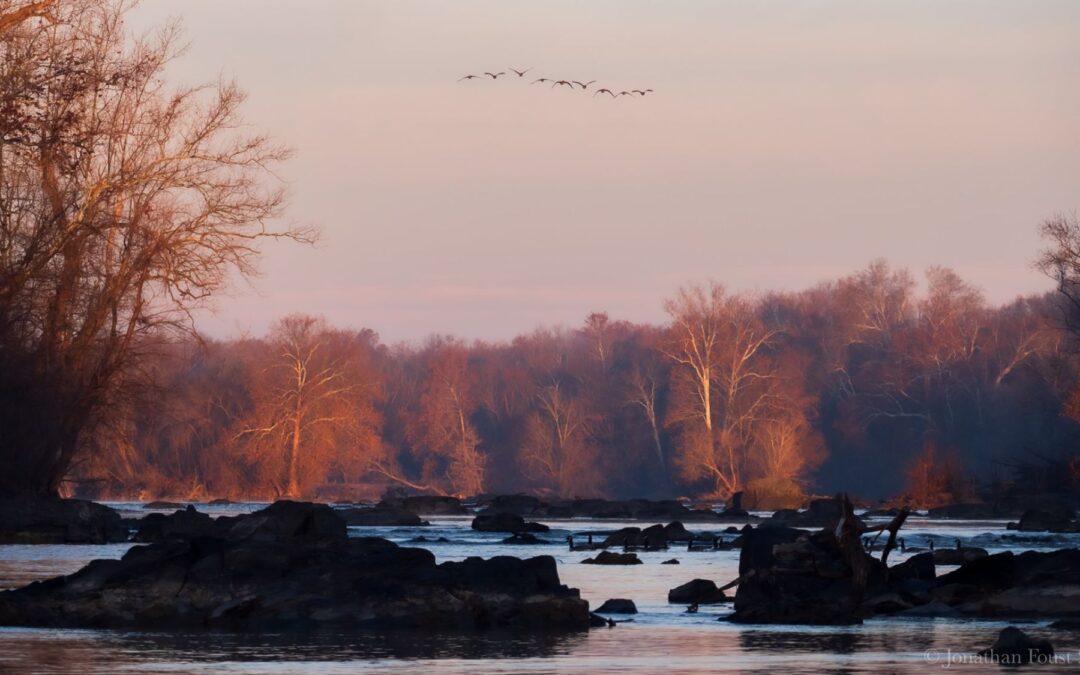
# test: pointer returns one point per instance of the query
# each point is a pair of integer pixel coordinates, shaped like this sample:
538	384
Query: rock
700	591
1014	647
919	567
609	558
957	556
1006	585
673	561
596	621
291	566
182	525
425	505
51	520
819	513
505	522
1037	520
797	577
617	606
380	517
524	538
935	608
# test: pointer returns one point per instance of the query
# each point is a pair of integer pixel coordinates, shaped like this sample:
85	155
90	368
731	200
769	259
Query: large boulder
797	577
699	591
292	566
521	505
51	520
1008	585
1014	647
380	516
505	522
617	606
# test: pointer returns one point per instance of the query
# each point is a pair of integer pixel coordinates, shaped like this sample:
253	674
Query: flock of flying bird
559	83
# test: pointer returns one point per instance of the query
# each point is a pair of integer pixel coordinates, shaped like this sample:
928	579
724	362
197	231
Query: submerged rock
51	520
1015	647
292	565
524	538
182	525
617	606
609	558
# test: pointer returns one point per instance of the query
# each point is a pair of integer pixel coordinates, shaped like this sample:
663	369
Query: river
661	638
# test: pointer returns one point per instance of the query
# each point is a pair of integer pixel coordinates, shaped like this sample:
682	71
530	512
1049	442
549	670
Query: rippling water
661	638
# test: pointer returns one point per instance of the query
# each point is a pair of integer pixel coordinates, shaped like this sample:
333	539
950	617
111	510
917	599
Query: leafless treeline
861	382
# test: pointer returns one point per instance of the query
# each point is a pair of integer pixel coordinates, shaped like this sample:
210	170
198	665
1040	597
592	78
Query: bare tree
125	206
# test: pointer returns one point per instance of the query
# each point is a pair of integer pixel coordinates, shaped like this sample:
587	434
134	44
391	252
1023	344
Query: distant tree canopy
124	205
861	384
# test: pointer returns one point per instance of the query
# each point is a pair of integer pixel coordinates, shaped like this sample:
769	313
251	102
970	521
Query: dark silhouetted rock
524	538
920	567
505	522
823	513
957	556
380	517
617	606
163	505
1038	520
673	561
291	566
700	591
51	520
609	558
182	525
1015	647
1008	585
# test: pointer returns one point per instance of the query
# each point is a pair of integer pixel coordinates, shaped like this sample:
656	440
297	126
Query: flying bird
542	79
495	76
566	82
624	93
642	91
583	85
604	91
468	77
520	73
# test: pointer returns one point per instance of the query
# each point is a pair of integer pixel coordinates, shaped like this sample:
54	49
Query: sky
785	143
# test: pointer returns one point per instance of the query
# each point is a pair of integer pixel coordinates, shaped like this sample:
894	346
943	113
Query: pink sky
786	143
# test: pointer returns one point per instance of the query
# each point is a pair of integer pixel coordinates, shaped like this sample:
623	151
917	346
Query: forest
127	204
873	383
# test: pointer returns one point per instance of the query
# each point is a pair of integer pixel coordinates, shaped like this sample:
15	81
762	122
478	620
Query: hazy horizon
783	145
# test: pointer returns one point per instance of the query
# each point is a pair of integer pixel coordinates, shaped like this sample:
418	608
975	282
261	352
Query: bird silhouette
604	91
495	76
583	85
624	93
566	82
520	73
642	91
468	77
542	79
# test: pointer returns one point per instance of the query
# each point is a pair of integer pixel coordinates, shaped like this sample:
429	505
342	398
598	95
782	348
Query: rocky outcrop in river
291	565
51	520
